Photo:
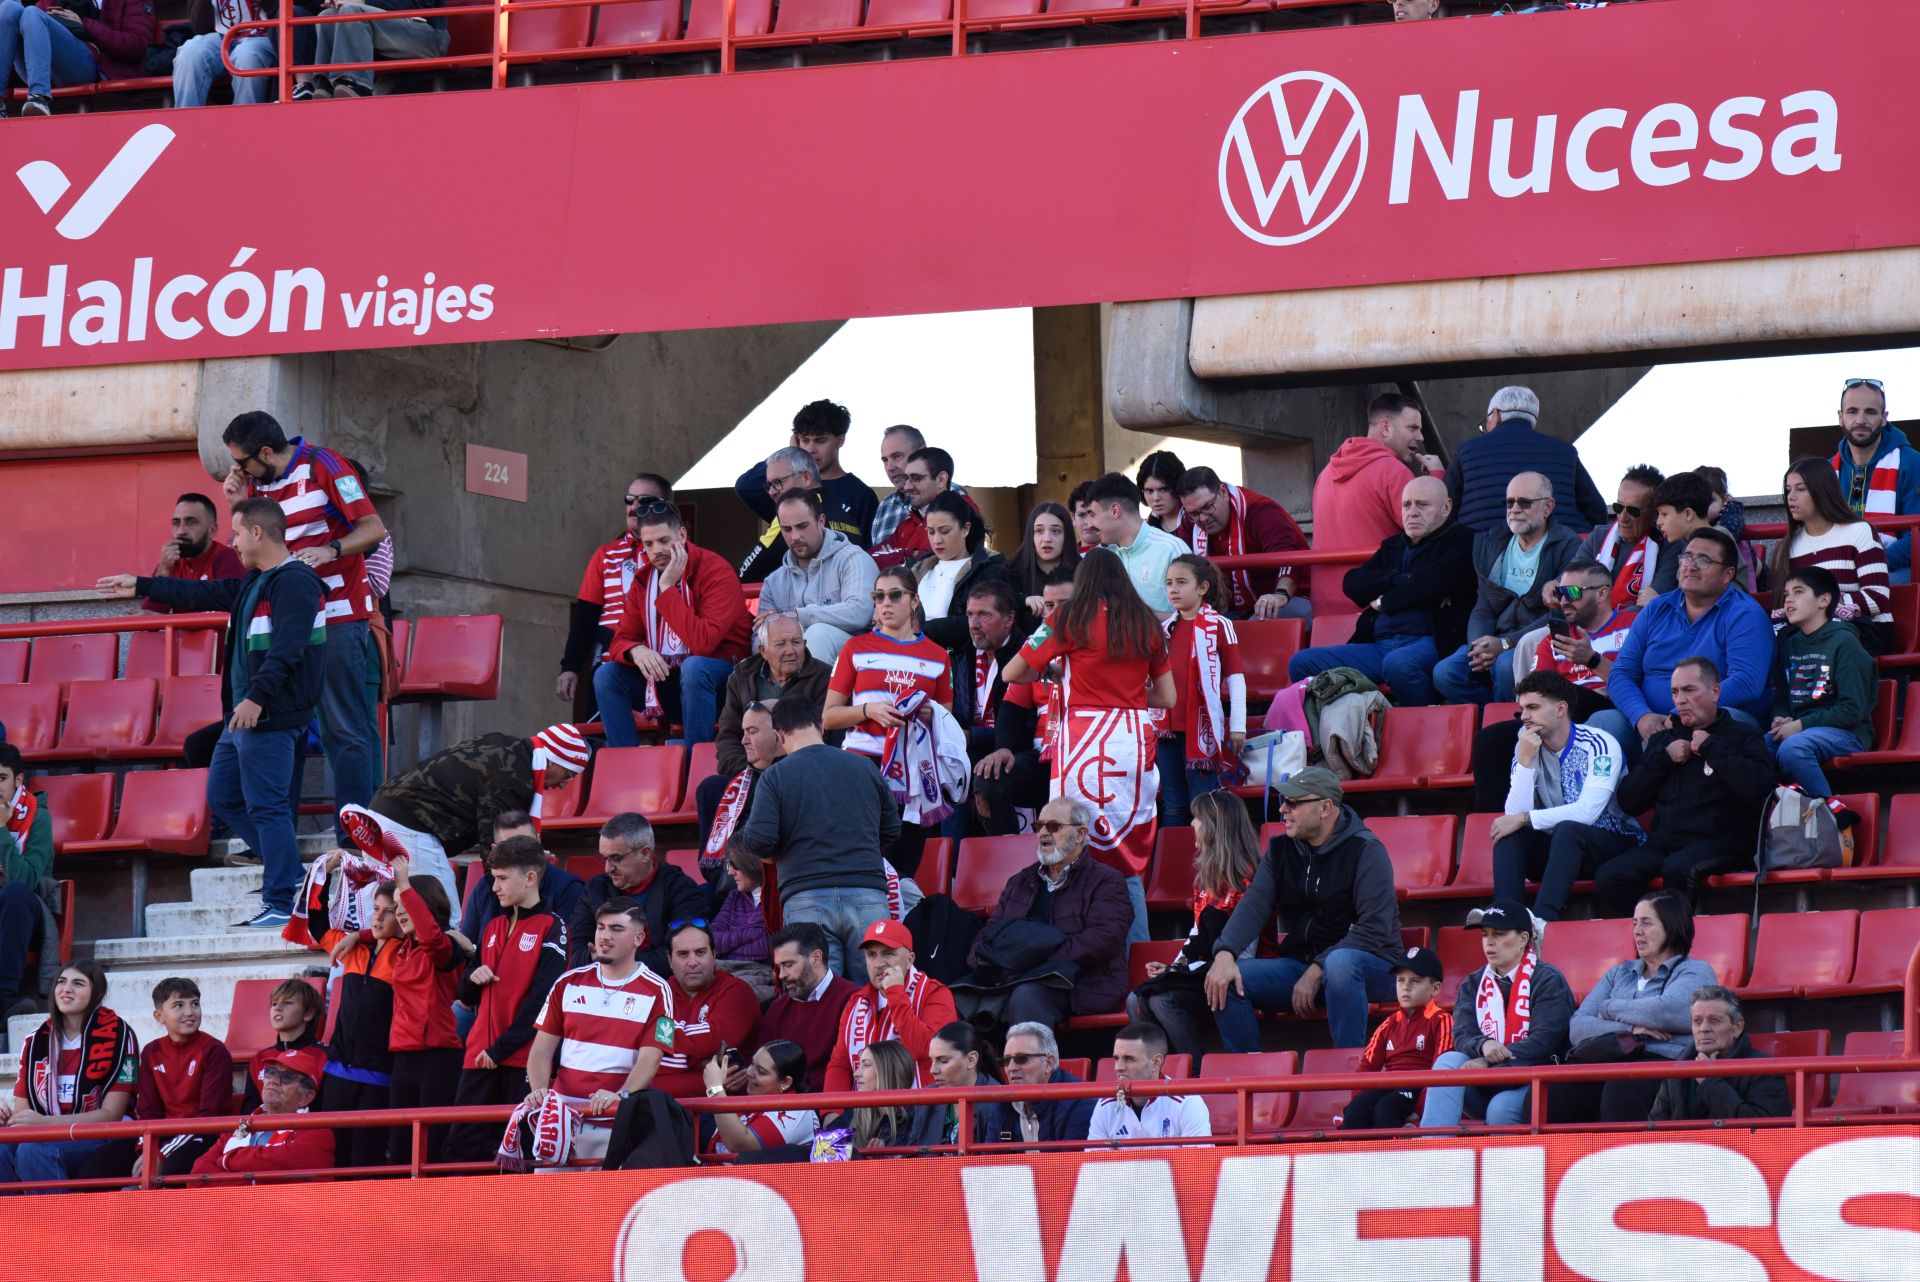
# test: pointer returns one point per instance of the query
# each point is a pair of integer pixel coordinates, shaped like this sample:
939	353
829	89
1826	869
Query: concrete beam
101	406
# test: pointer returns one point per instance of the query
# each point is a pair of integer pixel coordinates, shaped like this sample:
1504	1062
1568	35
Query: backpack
943	934
1799	831
651	1130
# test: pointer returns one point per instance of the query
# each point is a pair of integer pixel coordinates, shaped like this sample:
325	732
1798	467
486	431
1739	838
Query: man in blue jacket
1879	469
1033	1059
275	640
1706	616
1512	444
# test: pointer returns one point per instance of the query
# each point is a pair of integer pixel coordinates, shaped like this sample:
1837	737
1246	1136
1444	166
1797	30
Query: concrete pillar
1068	421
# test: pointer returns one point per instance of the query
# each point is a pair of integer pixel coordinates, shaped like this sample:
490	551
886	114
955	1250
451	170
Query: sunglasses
1573	591
890	594
644	503
1874	383
685	922
1053	827
1522	504
1021	1061
1625	509
1288	803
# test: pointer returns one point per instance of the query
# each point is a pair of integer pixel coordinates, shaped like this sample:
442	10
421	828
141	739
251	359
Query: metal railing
172	625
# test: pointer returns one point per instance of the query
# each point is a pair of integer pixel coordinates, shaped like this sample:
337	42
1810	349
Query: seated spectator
960	562
635	871
1356	497
1626	547
1226	853
900	1003
1415	10
714	1010
393	39
791	470
1140	1055
1231	520
1637	1012
927	474
1680	505
50	48
1823	533
811	1000
1478	478
1158	478
294	1014
1720	1032
980	661
1706	777
26	859
1048	549
1514	566
780	665
778	1068
960	1056
897	445
359	1068
197	65
1561	820
560	890
1407	1041
1824	686
1086	526
1730	514
1414	595
682	628
1033	1059
723	802
187	1073
889	1066
1015	776
1514	1010
1878	467
81	1065
740	927
289	1083
425	1041
1199	750
824	580
602	597
1144	550
1328	882
1706	616
195	551
1056	943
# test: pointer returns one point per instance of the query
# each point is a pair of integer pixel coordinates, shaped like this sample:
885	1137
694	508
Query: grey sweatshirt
834	588
1617	1004
823	816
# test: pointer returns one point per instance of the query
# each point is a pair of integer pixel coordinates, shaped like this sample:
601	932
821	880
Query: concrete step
189	953
175	921
226	885
312	845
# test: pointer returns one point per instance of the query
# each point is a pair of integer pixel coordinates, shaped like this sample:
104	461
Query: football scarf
1506	1022
20	813
727	817
661	639
1204	716
1232	543
551	1124
1630	574
350	908
869	1022
105	1044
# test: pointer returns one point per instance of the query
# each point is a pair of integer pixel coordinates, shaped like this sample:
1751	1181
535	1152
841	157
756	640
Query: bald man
1514	562
1413	594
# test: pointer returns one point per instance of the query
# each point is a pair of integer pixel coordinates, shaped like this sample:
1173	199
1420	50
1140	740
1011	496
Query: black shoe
302	92
37	105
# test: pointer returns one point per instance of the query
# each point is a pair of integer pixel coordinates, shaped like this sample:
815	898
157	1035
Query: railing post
500	16
959	28
416	1163
149	1152
284	76
726	40
1193	19
963	1124
1243	1122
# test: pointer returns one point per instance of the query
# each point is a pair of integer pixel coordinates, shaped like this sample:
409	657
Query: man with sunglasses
602	598
1625	546
1879	469
714	1012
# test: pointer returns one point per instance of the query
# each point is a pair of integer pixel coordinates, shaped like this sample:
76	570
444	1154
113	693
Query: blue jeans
1800	756
1353	978
1445	1104
197	68
45	53
1138	933
845	916
621	691
1179	785
247	790
19	921
1457	682
1405	663
49	1160
352	739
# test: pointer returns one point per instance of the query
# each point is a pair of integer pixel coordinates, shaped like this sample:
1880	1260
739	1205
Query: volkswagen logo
1300	123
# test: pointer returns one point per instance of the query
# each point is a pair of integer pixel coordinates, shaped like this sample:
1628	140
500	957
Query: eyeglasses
685	922
890	594
1874	383
775	484
1522	504
1021	1061
916	478
1053	827
1289	803
1688	558
1625	509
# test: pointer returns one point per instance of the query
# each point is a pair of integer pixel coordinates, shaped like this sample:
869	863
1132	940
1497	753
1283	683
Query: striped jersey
873	667
608	575
603	1025
322	498
1858	563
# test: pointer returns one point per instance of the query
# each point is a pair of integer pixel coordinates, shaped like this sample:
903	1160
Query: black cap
1423	962
1504	915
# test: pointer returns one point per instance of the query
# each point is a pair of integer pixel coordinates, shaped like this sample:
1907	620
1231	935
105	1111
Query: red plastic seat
1720	940
1460	955
1866	839
196	653
187	704
1875	1092
105	718
1270	1110
1901	859
164	811
1906	628
1583	951
1081	1068
1170	876
816	15
1494	713
1150	950
549	30
1266	647
1802	1044
1315	1111
646	780
1473	879
935	874
703	761
1886	942
1797	952
1421	848
13	662
1086	6
908	13
81	806
453	658
1177	1067
93	657
1889	749
1335	629
642	23
31	714
688	862
562	802
982	9
250	1026
983	867
585	867
706	18
1422	748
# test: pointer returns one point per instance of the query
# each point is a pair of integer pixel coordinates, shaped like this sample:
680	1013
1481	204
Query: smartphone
1558	626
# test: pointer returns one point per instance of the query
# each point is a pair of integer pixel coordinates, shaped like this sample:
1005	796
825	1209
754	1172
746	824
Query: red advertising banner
1649	133
1768	1206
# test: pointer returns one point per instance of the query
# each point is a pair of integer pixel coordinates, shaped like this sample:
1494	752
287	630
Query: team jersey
1606	641
788	1126
1172	1116
125	1078
875	667
608	575
322	498
184	1079
1093	678
1037	696
603	1026
1408	1043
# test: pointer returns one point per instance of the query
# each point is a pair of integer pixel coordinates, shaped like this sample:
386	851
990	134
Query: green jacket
36	861
1825	679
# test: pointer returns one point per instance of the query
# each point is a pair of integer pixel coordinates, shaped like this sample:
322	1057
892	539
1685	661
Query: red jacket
1356	500
526	952
711	617
425	980
120	36
1402	1045
912	1024
268	1150
191	1079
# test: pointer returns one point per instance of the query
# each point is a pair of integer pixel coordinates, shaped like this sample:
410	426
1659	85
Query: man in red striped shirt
331	525
601	601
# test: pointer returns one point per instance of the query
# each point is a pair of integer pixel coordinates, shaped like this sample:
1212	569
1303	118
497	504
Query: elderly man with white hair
1033	1059
1511	443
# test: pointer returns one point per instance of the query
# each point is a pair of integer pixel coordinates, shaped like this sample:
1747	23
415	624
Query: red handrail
170	624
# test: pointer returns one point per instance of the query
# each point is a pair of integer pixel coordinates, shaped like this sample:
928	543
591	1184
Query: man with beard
602	596
1879	469
1627	546
812	997
193	552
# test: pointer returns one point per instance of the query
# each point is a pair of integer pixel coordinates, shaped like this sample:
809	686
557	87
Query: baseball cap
1315	783
1423	962
1503	915
888	933
308	1061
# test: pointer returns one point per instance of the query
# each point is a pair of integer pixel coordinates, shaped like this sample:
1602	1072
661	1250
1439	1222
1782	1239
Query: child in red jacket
426	978
289	1083
1408	1042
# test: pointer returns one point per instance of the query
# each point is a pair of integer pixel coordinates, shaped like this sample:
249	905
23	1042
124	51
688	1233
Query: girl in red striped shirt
1823	531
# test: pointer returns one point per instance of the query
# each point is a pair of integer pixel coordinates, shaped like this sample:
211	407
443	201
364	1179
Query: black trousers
355	1145
1623	879
1024	785
1493	765
479	1141
1601	1101
422	1079
1181	1013
1377	1111
1556	859
178	1153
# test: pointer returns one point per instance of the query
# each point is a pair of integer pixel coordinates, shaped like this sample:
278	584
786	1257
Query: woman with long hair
1226	854
1823	531
1113	670
961	1055
958	535
1049	546
778	1068
424	1040
1159	471
889	1066
81	1065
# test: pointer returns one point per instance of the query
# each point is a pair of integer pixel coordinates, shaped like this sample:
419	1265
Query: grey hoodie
835	588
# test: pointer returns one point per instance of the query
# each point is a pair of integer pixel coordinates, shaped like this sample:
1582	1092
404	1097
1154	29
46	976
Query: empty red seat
1805	1043
1797	952
453	658
1869	1093
1422	748
1494	713
31	714
935	874
1317	1110
1081	1068
1906	628
562	802
1473	879
706	18
1901	858
645	780
688	862
195	653
1177	1067
1583	951
1335	628
81	805
702	762
907	13
1460	955
13	662
1266	647
93	657
1720	940
187	704
585	867
1421	848
1269	1110
105	718
1170	876
250	1026
1885	944
1138	956
164	811
1888	748
549	30
645	22
983	867
1086	6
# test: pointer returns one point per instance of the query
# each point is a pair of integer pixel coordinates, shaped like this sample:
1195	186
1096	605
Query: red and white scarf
20	813
986	667
350	908
661	638
560	745
1629	576
732	809
1233	543
554	1122
1506	1022
1204	716
1105	757
1882	490
869	1022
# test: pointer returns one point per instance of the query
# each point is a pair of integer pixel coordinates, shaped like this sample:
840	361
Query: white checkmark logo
46	182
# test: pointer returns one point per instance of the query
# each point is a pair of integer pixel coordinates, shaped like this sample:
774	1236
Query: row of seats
656	781
124	719
164	811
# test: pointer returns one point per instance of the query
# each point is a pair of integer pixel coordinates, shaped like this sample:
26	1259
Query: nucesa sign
1652	133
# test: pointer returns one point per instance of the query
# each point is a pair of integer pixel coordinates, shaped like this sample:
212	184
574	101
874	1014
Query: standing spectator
825	580
357	42
293	1014
1356	497
897	445
1720	1032
1048	549
1407	1041
823	817
1231	520
1329	884
683	626
777	1068
1032	1058
1625	546
900	1003
659	891
81	1065
1114	668
26	858
1705	775
289	1083
198	66
359	1068
560	890
602	598
426	978
187	1073
1158	477
1823	533
1512	444
1514	565
1878	467
1086	518
927	474
1680	505
1140	1055
1415	10
1414	595
195	551
1200	750
811	1000
1514	1010
1015	776
960	561
276	641
1144	550
716	1012
331	525
820	431
51	47
1823	699
791	471
780	665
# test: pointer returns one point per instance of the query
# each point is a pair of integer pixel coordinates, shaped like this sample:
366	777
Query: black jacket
1686	1099
1482	465
986	566
1060	1119
810	681
283	672
1338	896
1546	1038
1689	804
980	740
670	896
1437	580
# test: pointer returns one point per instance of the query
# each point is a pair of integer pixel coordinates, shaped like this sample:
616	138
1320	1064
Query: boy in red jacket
1408	1042
289	1082
187	1073
684	626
